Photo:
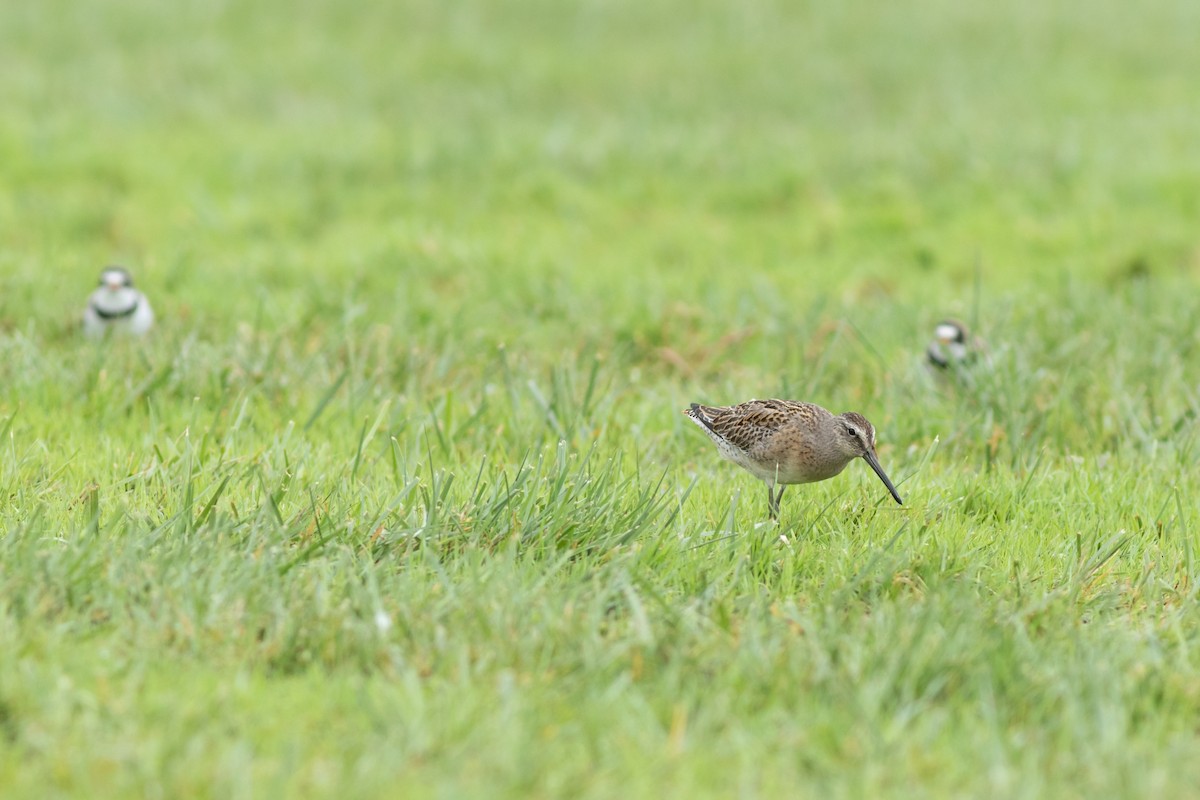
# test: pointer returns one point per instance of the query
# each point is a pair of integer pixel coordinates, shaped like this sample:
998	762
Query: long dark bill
874	462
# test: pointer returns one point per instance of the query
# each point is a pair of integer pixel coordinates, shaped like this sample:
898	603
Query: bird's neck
113	305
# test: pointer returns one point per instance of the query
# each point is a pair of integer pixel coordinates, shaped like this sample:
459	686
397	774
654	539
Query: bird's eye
852	431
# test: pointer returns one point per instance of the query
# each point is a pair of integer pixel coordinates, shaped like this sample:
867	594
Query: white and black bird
953	346
117	306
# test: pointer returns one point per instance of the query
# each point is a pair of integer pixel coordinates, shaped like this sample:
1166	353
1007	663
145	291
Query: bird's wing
746	425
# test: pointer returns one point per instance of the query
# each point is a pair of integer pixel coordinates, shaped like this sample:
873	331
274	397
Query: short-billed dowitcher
783	442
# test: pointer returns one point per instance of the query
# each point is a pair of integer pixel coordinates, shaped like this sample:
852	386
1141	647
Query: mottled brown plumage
782	442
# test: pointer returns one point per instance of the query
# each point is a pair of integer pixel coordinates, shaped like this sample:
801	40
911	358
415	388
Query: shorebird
782	442
952	346
116	305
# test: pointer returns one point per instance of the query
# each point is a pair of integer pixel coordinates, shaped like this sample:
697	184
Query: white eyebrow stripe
946	332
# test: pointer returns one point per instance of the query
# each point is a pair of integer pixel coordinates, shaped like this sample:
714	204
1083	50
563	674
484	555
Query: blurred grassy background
635	153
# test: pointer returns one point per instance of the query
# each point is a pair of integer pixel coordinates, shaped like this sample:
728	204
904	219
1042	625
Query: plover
952	345
117	306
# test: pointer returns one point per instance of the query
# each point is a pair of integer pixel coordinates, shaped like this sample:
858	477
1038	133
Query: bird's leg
773	499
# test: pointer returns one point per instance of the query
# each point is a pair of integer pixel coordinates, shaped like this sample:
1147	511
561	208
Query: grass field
397	501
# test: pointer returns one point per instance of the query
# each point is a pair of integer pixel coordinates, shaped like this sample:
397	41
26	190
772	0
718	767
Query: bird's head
856	439
115	279
950	331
